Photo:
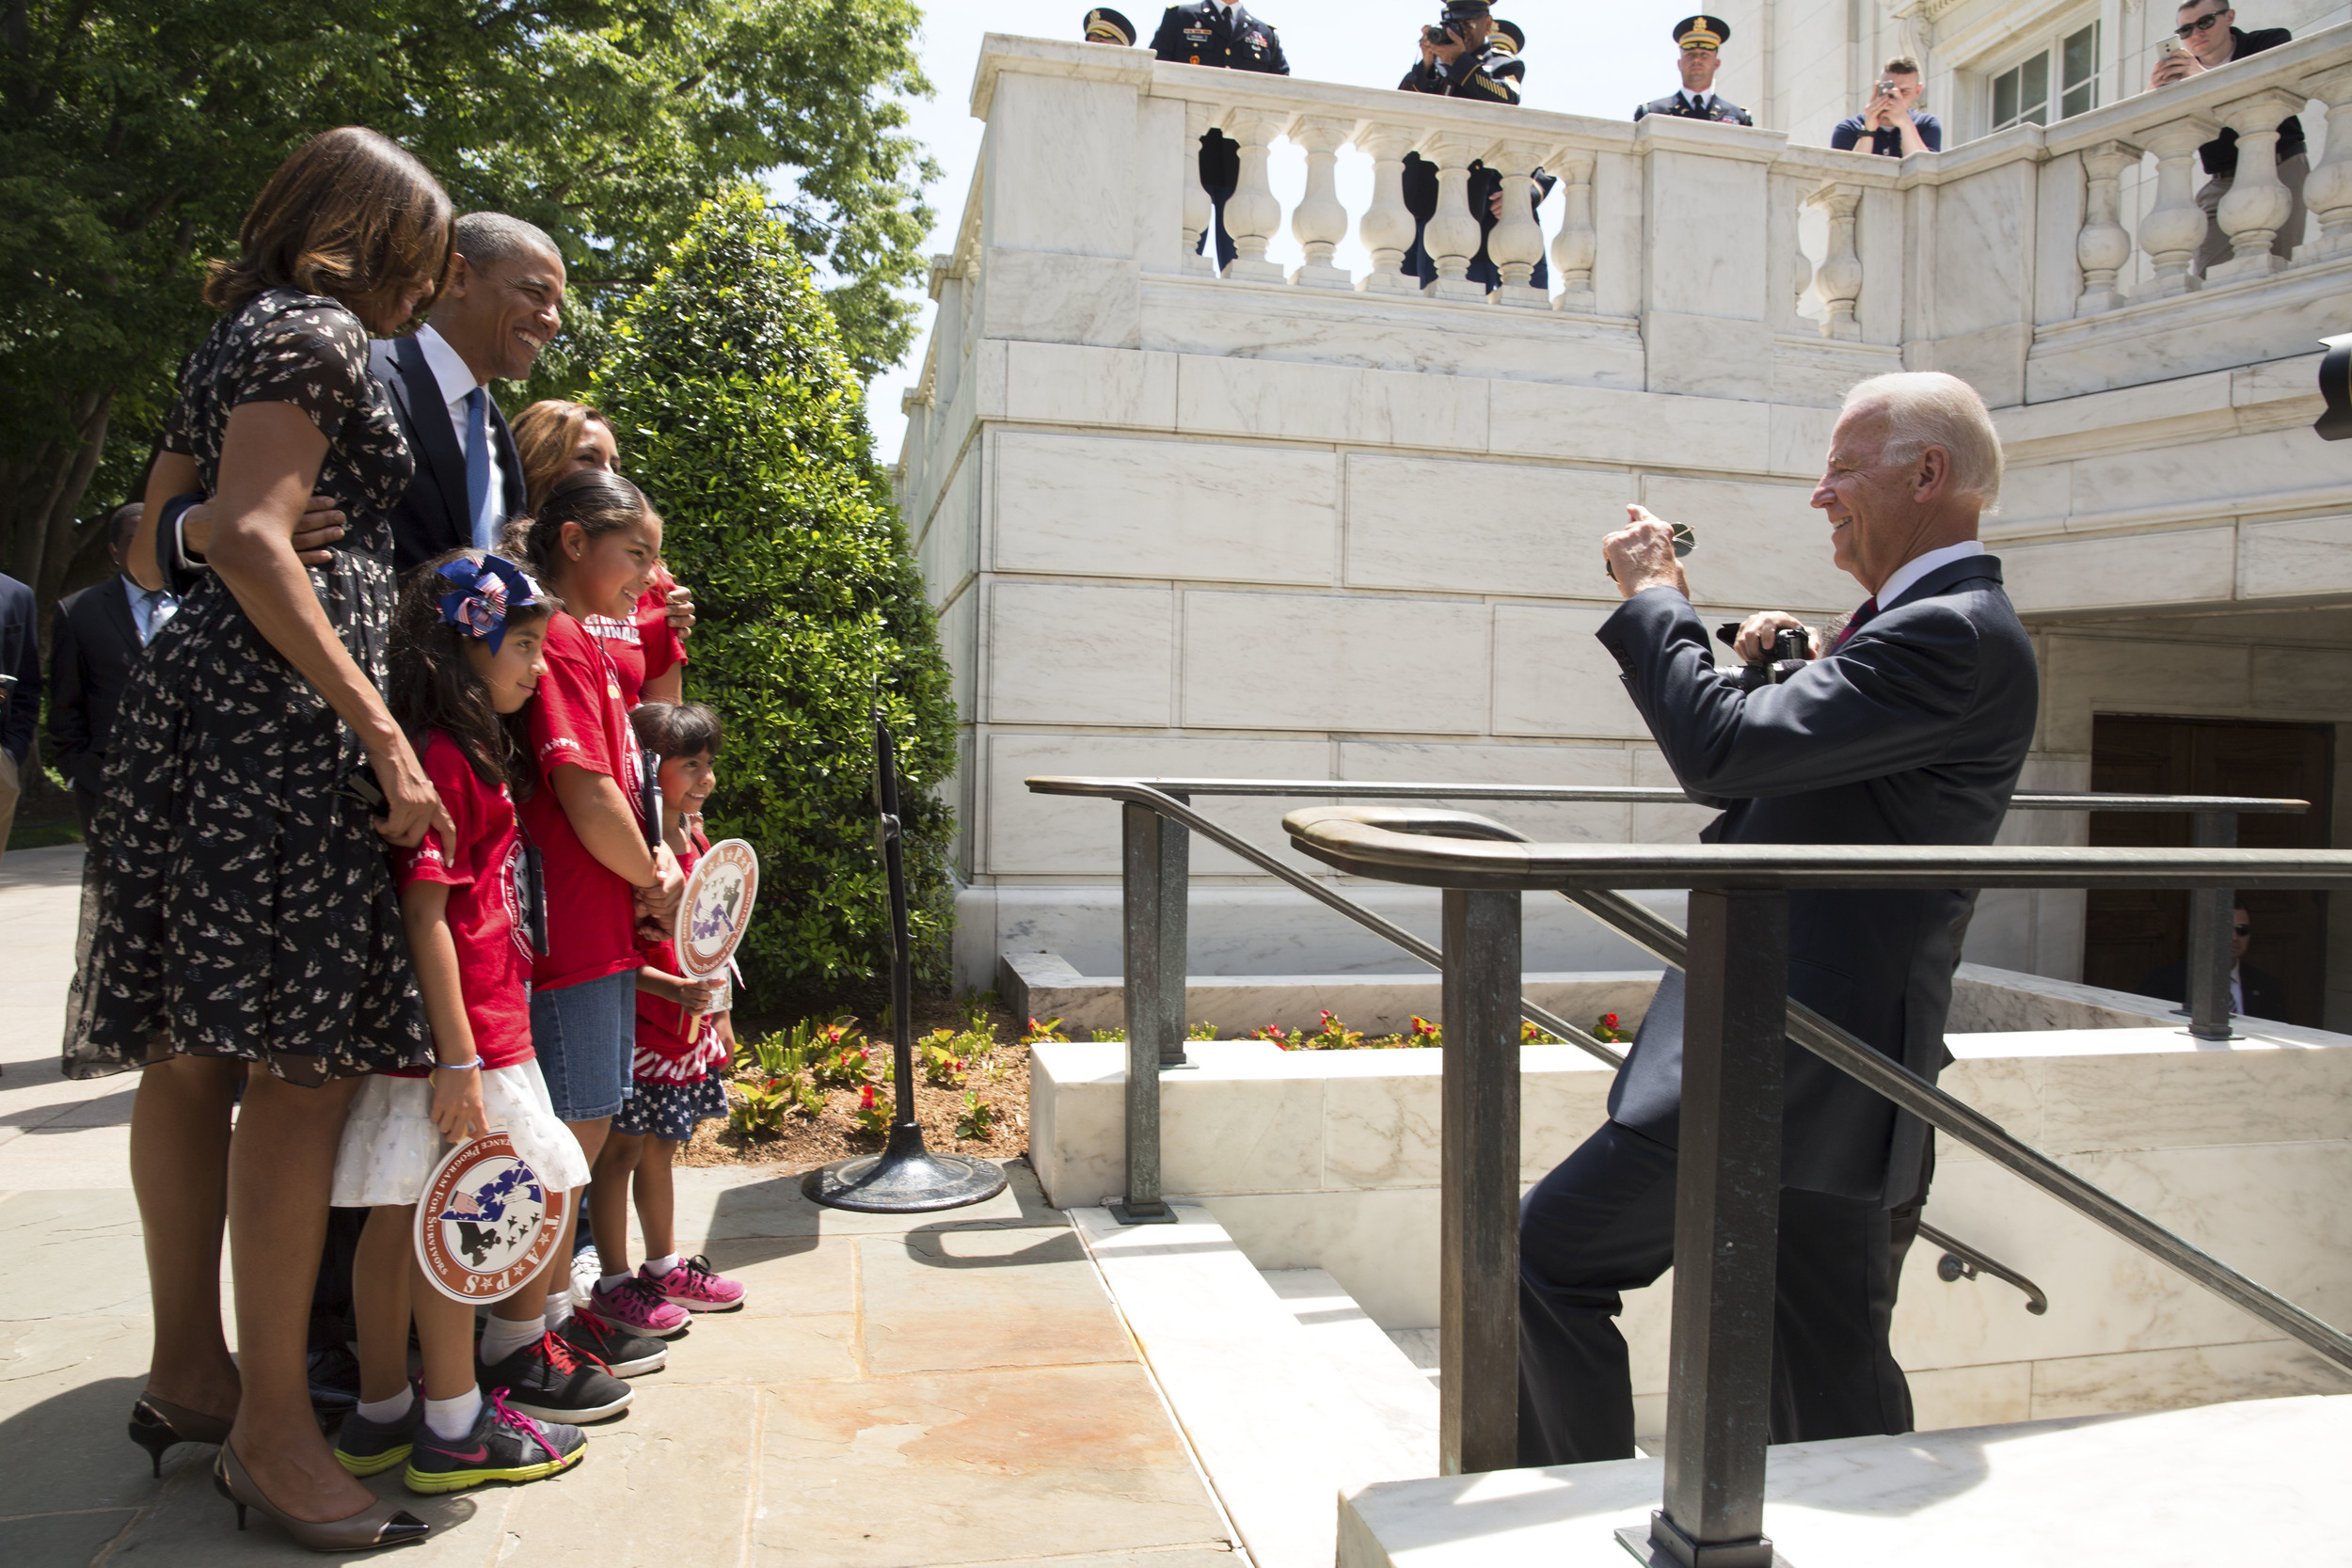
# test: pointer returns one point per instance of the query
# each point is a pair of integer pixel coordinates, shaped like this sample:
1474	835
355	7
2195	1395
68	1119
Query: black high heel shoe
381	1523
157	1424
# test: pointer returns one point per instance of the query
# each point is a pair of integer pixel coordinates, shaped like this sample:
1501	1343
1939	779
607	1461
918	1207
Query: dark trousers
1602	1224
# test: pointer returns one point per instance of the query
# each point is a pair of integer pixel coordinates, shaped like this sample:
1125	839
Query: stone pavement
911	1392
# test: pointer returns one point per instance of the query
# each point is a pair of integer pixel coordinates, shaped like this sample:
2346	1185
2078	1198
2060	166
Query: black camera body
1791	651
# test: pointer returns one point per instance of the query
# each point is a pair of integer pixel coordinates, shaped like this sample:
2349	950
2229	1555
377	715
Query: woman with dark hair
248	930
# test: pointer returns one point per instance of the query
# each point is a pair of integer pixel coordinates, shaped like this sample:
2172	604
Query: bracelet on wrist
457	1067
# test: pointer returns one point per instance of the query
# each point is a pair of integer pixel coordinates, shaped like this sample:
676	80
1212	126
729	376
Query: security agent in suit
1910	728
94	643
1216	33
1469	54
1701	39
2254	992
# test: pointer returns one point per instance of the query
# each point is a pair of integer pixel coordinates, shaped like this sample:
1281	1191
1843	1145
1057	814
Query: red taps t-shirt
579	718
646	647
483	873
674	1046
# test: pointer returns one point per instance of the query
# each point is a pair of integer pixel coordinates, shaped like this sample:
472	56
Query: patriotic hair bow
485	593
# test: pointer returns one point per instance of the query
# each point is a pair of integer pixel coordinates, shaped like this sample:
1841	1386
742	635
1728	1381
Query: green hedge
745	424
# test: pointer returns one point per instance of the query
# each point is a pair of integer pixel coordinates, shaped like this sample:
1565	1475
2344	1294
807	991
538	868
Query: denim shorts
584	1036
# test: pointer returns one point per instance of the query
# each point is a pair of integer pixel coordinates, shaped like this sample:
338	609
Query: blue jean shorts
584	1036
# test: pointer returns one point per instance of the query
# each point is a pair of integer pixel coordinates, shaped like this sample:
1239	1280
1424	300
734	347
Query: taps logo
487	1222
716	908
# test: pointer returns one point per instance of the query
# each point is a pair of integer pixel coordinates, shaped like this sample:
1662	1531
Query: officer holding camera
1701	39
1469	53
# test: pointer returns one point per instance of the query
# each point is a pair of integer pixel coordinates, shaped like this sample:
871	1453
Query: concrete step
1361	1355
2180	1489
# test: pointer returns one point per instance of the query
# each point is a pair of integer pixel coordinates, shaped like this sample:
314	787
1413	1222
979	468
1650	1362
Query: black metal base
1140	1213
903	1183
1644	1542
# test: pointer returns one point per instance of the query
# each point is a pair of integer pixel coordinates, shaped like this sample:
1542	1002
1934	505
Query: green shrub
738	415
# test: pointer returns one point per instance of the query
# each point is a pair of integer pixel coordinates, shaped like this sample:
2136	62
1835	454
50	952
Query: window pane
2082	57
2079	101
2033	90
2004	100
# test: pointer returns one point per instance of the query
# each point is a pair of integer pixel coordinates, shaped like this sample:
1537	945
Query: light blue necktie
160	608
486	523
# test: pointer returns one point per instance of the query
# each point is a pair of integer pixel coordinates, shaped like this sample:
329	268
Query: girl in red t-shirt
649	653
682	1045
465	658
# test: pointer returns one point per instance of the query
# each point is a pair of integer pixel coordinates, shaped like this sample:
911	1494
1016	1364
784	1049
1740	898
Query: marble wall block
1991	359
1879	239
2060	203
1671	824
1617	224
1247	396
1039	834
1760	546
1168	162
2309	555
1059	173
2178	1379
1988	219
1080	653
958	633
2184	565
1040	297
1944	1398
1598	425
1478	528
1361	663
1816	372
2034	497
1435	762
2228	472
1799	440
2310	681
1261	1133
1104	506
2214	331
1380	1245
2046	431
1706	228
2082	675
1552	676
949	553
1698	355
1074	384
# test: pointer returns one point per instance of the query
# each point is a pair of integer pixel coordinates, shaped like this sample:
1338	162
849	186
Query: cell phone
1886	87
362	786
2172	46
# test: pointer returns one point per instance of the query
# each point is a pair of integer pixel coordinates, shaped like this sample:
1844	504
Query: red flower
1609	1019
866	1098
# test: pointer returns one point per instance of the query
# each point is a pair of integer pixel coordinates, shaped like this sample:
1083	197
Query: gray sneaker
504	1445
368	1447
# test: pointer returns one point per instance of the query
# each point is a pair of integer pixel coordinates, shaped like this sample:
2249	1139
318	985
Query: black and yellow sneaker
368	1447
504	1445
553	1380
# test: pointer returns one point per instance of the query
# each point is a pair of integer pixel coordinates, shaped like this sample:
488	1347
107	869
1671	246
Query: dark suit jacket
2266	994
93	645
1913	732
1675	106
431	517
1196	34
20	655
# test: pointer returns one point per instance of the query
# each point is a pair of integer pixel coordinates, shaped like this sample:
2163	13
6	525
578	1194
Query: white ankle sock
656	1267
385	1412
501	1339
610	1282
559	1312
453	1418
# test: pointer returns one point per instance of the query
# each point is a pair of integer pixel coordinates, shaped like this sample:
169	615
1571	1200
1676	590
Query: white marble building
1299	523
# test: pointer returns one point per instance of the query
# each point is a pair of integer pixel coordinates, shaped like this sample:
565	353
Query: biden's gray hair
487	239
1928	408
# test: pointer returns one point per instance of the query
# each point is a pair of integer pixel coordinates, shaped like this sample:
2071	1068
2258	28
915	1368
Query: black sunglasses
2202	24
2243	931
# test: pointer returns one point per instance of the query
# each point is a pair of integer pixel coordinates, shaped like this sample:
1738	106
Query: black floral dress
246	905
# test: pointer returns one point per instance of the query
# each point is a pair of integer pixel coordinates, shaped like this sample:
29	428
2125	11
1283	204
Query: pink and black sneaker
692	1285
637	1303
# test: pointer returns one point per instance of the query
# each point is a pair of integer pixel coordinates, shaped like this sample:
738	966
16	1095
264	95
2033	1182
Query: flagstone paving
926	1391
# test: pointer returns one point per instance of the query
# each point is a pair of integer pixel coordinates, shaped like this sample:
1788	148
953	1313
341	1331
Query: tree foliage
744	422
135	132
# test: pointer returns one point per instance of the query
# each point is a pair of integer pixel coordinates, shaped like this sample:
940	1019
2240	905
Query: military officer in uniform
1468	54
1702	38
1217	33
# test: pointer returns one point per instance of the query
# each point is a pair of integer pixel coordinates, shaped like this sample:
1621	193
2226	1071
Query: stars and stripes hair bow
484	593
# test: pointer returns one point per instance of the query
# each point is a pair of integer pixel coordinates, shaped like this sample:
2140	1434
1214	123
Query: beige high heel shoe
385	1523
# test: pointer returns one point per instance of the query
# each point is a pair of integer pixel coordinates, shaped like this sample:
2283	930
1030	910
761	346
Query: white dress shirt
455	382
1904	577
1698	101
149	611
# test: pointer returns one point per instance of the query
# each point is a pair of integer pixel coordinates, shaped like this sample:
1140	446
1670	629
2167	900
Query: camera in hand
1791	651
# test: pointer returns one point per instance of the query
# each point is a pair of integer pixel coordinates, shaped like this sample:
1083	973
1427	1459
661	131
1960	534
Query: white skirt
390	1146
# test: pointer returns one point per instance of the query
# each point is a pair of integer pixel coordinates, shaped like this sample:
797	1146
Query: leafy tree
135	132
744	422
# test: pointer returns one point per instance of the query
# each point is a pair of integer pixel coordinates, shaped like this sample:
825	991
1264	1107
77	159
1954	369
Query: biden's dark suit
1912	731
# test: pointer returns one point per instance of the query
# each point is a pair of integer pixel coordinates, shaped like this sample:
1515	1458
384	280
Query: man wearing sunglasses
2254	992
2204	39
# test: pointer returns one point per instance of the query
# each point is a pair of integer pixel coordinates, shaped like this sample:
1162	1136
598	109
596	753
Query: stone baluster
1387	226
1578	242
2105	245
2175	226
1200	211
1518	240
1320	221
2258	202
2328	191
1452	236
1255	216
1800	268
1839	280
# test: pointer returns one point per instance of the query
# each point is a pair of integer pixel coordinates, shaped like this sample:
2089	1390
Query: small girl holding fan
682	1045
465	659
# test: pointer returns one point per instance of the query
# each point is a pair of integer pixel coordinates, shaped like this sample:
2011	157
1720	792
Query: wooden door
2125	935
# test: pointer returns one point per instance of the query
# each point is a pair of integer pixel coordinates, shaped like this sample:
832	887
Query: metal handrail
1962	1261
1614	794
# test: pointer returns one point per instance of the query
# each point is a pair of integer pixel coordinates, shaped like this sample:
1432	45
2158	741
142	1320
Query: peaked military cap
1462	10
1106	25
1702	32
1509	38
